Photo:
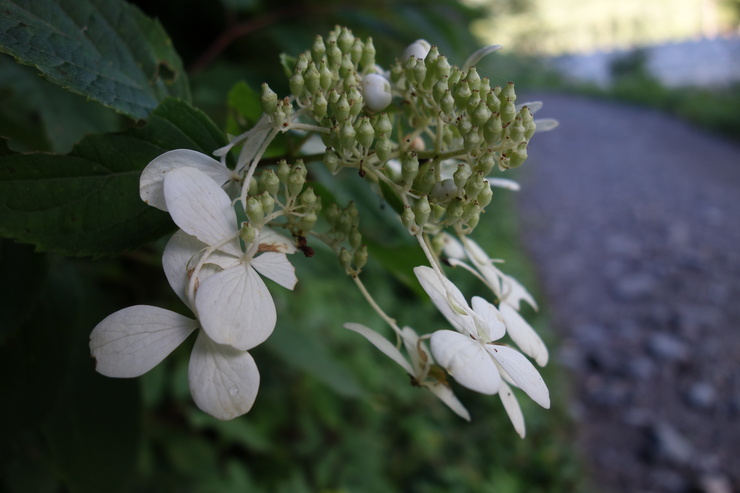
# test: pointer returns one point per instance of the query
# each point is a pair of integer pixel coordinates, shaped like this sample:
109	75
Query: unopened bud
422	210
345	40
442	68
420	71
447	104
461	93
345	259
320	105
473	79
347	136
368	55
484	197
360	257
472	140
308	198
333	55
454	210
332	214
341	108
376	91
267	202
419	49
312	79
354	238
331	160
283	171
382	124
270	182
254	211
318	49
518	156
481	114
409	167
439	89
493	129
247	233
308	221
356	51
268	100
383	148
508	112
365	132
325	76
461	175
507	93
297	84
297	179
409	220
485	162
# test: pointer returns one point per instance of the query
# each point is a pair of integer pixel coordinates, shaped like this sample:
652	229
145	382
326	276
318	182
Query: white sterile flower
419	49
419	368
507	289
376	92
152	178
232	303
470	355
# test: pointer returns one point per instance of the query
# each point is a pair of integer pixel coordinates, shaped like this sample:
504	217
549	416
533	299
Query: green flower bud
325	76
447	104
493	129
515	131
354	97
518	156
442	68
484	197
439	89
437	212
493	102
297	178
461	175
508	112
349	81
454	210
268	99
473	79
307	222
331	160
267	202
347	136
461	93
345	40
345	223
425	179
456	76
409	167
420	72
409	220
365	132
472	140
312	79
353	212
383	148
247	233
320	105
360	257
472	103
270	182
283	171
408	69
253	186
308	198
481	114
318	50
431	59
355	238
345	259
473	221
333	56
346	67
356	51
368	55
397	72
529	130
382	124
485	162
332	214
485	87
422	210
507	93
297	84
254	211
301	63
340	109
471	209
464	125
475	184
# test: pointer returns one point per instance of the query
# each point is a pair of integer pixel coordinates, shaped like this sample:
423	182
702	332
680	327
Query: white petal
235	308
447	298
223	381
445	394
451	247
504	183
418	49
132	341
466	360
176	261
545	125
478	55
253	139
417	351
524	335
271	241
512	292
494	325
152	178
277	267
534	106
381	343
522	372
511	405
201	208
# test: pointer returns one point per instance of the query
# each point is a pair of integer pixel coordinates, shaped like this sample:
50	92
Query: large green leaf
106	50
87	202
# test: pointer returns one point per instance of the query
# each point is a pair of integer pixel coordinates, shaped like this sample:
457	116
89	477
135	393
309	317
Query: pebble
701	396
667	347
636	287
669	445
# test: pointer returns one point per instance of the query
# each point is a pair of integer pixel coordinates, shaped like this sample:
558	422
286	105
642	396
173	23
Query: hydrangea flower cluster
426	135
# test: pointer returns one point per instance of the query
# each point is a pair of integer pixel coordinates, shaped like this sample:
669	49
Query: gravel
633	221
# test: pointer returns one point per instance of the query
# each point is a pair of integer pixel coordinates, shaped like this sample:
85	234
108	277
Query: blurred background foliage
332	414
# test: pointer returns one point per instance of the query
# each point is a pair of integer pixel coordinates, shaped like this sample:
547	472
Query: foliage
332	415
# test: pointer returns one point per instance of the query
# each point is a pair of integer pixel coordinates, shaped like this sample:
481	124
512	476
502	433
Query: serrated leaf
87	202
106	50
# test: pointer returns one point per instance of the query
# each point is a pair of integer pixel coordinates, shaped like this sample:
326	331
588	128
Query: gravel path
633	220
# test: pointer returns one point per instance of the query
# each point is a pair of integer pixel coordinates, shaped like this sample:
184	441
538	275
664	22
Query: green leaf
391	197
106	50
246	104
87	202
400	261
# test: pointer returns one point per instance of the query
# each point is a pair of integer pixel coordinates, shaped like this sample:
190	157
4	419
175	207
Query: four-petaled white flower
471	356
420	366
233	305
508	290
